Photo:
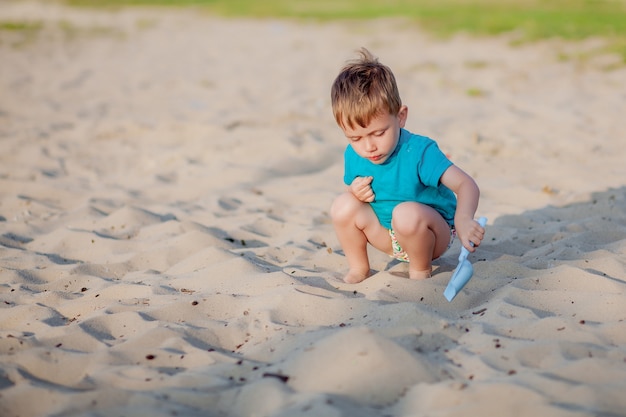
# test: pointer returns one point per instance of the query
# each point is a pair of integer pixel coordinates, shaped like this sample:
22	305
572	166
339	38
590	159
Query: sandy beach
166	248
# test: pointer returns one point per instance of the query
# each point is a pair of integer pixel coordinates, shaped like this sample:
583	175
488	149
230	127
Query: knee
407	218
344	208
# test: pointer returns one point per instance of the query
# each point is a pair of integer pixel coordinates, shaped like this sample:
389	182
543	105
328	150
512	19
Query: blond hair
364	89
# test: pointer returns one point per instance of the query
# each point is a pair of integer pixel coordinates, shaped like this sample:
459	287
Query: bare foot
354	277
420	274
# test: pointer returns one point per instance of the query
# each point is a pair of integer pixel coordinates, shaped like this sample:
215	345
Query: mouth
375	158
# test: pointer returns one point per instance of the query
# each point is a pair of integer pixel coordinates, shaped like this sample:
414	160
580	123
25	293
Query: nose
370	145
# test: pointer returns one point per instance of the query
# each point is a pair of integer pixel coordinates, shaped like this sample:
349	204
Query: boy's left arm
467	194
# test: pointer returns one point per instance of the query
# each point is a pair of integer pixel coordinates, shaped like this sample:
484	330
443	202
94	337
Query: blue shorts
401	255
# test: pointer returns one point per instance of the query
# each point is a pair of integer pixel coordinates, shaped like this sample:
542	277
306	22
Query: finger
358	182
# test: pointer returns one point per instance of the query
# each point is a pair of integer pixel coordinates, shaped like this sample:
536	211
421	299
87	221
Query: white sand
165	179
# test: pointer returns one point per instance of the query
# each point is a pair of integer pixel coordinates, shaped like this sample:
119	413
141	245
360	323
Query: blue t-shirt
411	173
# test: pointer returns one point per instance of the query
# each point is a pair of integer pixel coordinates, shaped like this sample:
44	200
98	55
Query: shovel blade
462	274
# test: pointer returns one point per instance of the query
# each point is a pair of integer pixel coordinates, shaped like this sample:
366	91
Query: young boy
401	187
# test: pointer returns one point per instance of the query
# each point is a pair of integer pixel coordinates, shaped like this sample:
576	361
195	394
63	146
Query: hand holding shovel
463	271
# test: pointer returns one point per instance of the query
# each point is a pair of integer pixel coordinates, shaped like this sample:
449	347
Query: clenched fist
362	189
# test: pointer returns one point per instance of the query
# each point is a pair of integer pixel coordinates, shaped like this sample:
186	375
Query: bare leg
423	234
355	225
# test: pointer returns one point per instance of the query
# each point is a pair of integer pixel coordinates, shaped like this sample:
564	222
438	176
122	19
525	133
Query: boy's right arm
361	188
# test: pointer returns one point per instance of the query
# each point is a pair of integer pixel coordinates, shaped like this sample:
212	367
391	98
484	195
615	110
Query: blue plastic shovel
463	271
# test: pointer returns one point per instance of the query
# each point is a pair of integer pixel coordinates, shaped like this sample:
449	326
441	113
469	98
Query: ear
402	116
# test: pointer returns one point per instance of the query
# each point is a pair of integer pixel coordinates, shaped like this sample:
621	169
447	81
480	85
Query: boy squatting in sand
401	187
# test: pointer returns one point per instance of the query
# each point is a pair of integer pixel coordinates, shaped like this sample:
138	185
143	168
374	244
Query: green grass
538	18
475	92
529	19
15	26
19	33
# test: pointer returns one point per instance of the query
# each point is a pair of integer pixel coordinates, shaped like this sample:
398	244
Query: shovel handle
482	221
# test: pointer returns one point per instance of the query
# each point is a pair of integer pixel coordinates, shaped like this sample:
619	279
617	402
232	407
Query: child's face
377	141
